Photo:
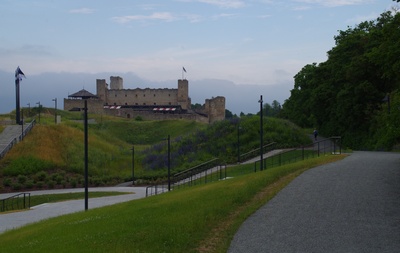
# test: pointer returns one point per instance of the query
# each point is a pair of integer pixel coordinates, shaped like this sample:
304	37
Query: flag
19	74
184	69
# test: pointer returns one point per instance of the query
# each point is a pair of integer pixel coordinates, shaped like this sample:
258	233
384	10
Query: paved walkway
348	206
45	211
8	135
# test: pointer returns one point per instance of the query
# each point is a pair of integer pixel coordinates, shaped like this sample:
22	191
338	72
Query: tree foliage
344	95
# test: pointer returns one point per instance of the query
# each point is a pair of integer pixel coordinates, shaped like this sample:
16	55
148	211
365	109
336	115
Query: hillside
52	156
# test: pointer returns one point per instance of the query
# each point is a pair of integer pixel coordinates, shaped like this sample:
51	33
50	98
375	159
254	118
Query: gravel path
349	206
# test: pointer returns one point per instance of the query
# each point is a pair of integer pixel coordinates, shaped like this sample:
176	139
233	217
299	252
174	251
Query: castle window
115	95
126	95
169	103
154	94
144	95
155	103
126	103
136	104
136	95
169	95
115	103
144	103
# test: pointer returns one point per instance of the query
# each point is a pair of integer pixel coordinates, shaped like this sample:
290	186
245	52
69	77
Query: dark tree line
347	95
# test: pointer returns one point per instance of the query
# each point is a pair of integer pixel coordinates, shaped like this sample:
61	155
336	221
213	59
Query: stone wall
150	115
94	105
132	100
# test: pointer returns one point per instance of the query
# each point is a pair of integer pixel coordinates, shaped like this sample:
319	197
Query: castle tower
116	83
102	88
183	94
215	108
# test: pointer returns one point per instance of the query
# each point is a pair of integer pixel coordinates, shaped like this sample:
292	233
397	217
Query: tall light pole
86	156
55	111
169	162
261	133
38	103
238	142
29	109
133	165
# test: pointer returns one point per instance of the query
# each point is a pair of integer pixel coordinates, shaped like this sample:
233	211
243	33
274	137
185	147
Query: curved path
37	213
348	206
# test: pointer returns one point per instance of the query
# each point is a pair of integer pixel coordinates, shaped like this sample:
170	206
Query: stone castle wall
94	105
140	102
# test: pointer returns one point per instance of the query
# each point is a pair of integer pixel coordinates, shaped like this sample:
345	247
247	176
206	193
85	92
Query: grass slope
198	219
52	156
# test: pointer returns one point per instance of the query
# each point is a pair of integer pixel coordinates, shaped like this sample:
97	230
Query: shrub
51	184
21	179
7	182
16	186
41	176
29	184
73	183
26	166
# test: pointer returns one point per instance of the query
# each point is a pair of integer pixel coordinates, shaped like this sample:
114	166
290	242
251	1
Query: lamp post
261	133
169	162
38	103
133	165
238	142
86	160
22	124
29	109
55	111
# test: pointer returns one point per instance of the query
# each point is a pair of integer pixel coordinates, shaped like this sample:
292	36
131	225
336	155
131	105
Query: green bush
7	182
51	184
26	166
41	176
21	179
29	184
16	186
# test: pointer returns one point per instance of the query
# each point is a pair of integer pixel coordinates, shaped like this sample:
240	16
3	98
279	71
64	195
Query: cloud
334	3
224	3
82	11
162	16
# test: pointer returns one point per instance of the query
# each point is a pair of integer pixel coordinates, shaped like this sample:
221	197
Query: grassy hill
52	156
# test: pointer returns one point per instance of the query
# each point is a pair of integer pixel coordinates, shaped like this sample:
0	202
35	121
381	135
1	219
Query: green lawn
198	219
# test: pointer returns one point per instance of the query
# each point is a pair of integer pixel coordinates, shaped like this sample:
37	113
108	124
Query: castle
149	104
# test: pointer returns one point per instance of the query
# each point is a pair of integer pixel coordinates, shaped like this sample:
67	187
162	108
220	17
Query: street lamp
55	110
169	162
29	109
38	103
261	133
238	142
133	165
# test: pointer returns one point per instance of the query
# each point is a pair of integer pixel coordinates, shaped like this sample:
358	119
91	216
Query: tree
228	114
343	95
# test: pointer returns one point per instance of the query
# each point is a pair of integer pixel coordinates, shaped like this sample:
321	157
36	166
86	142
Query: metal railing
17	139
253	153
187	177
330	145
16	202
210	171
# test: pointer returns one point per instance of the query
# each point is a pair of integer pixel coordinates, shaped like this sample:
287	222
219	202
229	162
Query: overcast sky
257	42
